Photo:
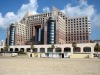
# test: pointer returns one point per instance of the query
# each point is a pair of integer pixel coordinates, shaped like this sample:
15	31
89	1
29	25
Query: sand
49	66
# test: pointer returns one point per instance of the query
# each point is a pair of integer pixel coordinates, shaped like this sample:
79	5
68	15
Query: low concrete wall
9	54
79	56
34	55
56	55
42	55
67	55
14	54
6	54
91	56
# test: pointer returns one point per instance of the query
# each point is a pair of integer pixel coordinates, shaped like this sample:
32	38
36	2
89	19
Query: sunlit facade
50	28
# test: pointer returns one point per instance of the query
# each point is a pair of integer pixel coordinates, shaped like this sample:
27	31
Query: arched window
35	50
49	50
67	49
16	49
87	49
77	49
57	49
28	49
42	50
11	49
22	50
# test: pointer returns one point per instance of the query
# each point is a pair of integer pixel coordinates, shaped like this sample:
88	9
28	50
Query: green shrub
21	52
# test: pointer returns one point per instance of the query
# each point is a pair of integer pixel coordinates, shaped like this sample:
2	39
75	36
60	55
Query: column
38	50
25	50
54	50
92	49
45	50
13	49
82	50
62	50
71	50
19	49
8	49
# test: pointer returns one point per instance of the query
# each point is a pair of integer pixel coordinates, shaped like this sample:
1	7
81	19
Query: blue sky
14	10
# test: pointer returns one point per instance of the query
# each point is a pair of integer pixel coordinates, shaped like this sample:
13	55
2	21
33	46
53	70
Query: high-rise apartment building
16	33
50	28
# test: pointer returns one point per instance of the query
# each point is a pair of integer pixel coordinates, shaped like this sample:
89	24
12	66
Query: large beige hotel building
49	28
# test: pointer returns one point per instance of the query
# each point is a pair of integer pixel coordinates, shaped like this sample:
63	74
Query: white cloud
83	2
46	9
12	17
1	19
96	20
79	10
83	9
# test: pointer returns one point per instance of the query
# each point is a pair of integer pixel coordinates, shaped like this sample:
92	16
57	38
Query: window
86	37
80	37
83	37
77	37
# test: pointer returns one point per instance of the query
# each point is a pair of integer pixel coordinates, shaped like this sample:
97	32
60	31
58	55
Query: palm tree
53	47
6	48
32	47
74	45
97	47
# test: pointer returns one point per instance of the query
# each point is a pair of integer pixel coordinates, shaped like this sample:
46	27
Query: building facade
16	33
50	28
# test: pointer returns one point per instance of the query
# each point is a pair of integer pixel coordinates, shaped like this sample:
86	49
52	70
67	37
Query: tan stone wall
20	40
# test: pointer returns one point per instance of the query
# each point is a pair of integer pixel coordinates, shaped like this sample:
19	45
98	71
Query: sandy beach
49	66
